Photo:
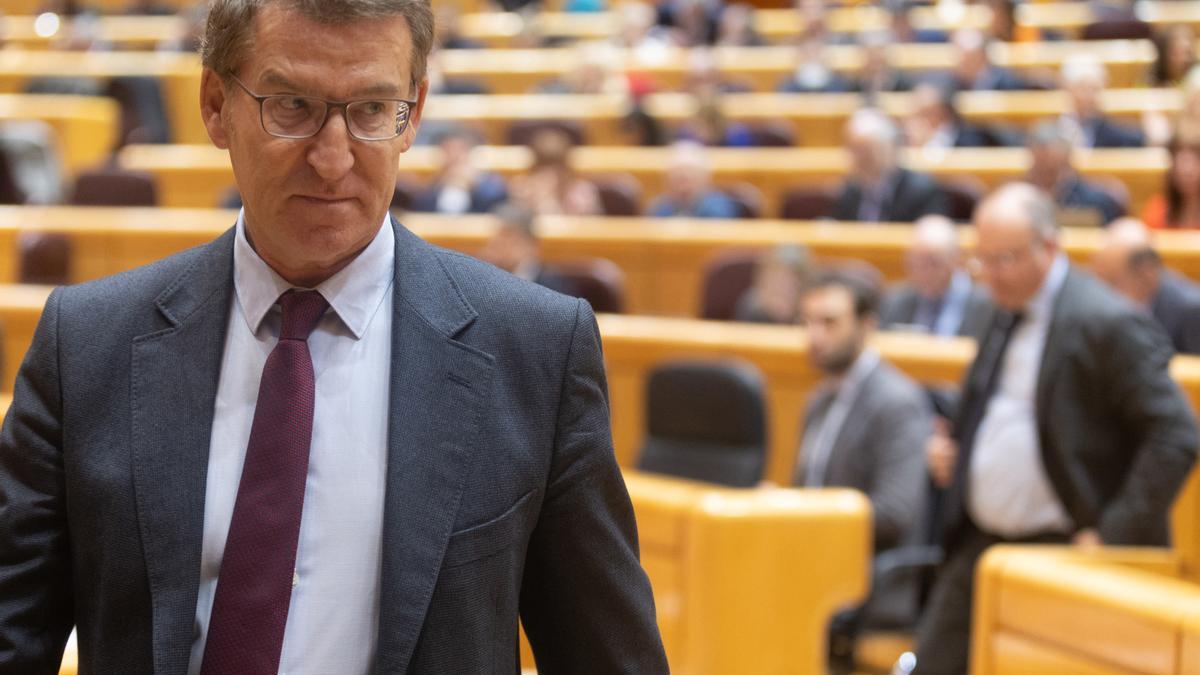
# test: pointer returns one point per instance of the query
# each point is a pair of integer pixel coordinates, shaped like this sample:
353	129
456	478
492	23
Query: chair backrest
807	203
143	113
726	280
962	196
113	186
45	258
620	194
10	192
706	422
1117	29
523	131
596	280
773	135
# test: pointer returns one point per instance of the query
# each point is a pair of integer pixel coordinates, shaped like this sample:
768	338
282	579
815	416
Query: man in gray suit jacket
1070	429
939	297
316	444
1129	263
866	425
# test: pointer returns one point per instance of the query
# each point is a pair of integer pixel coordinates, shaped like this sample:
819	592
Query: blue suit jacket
503	495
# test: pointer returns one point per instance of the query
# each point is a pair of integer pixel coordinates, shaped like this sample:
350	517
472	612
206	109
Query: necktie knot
301	311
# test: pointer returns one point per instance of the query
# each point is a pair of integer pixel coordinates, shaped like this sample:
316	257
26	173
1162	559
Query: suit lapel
174	377
439	388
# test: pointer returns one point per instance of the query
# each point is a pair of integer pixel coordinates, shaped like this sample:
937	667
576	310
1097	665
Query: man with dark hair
514	248
865	425
317	444
460	186
1129	263
1070	428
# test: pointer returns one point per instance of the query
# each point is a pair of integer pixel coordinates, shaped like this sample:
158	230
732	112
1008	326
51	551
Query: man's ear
212	103
414	116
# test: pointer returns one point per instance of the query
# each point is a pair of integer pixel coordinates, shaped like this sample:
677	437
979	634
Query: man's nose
332	152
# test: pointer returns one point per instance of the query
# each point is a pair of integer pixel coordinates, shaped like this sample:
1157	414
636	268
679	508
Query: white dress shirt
333	620
1010	493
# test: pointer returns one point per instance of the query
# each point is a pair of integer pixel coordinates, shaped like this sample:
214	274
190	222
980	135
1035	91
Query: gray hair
1037	207
229	28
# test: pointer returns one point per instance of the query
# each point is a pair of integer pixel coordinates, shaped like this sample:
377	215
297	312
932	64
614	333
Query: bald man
1070	428
938	296
879	189
1129	264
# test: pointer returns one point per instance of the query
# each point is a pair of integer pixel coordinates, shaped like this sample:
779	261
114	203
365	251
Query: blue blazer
503	495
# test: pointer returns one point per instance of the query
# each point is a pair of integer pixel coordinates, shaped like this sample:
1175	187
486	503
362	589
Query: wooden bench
143	33
663	261
178	73
199	176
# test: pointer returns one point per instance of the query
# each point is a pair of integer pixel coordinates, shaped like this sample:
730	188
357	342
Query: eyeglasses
299	117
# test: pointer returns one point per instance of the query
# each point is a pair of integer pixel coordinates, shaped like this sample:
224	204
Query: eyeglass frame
329	106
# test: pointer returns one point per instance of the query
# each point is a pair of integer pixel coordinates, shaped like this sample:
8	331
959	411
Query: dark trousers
944	633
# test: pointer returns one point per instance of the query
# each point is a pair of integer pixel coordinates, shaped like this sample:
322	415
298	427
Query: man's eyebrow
382	90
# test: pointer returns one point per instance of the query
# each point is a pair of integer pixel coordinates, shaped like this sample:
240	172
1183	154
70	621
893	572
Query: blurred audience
690	192
1178	206
974	70
1070	428
1078	201
878	189
1128	262
710	127
735	28
935	124
1084	78
938	296
551	186
595	72
901	25
813	75
448	33
514	248
1175	48
877	75
865	425
459	186
778	280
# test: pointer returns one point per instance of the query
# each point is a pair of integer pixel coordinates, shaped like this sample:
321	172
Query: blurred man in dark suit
1084	78
878	188
1070	428
1080	203
938	297
1129	263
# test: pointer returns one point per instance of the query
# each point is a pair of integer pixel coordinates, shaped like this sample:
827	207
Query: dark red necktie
254	587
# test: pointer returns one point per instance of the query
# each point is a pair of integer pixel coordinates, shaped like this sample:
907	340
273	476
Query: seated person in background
514	248
878	188
596	71
735	27
1129	263
813	74
710	127
459	187
690	192
866	424
938	296
778	279
1084	78
934	122
877	74
551	187
1176	55
448	33
1178	206
901	26
974	70
1079	202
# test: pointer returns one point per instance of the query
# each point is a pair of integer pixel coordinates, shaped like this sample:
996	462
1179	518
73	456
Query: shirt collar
354	293
1043	301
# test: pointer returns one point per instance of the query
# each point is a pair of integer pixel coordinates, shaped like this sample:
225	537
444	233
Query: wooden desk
634	345
1071	18
198	176
142	33
516	71
663	260
85	127
107	6
817	119
178	73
